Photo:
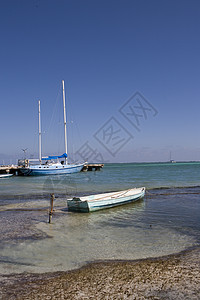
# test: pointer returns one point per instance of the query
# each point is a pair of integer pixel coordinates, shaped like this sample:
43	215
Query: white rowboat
107	200
5	175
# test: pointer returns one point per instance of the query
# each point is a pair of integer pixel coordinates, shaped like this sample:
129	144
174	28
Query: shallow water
165	222
112	177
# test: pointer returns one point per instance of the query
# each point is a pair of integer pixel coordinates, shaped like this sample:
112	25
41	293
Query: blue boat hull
51	170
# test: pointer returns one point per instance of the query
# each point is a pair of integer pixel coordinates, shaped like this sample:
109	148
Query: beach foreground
170	277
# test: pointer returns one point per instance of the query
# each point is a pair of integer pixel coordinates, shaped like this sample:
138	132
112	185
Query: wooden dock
14	169
10	169
92	167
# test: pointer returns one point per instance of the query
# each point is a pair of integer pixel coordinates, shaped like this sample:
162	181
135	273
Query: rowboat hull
55	169
102	201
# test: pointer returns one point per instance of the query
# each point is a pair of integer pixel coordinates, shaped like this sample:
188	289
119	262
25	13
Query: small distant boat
5	175
171	160
100	201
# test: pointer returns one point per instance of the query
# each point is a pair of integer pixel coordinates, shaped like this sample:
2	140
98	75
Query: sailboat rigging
50	167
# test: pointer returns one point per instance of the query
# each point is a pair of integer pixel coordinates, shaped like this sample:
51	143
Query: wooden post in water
51	208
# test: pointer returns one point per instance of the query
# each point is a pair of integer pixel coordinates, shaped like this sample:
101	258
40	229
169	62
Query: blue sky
107	52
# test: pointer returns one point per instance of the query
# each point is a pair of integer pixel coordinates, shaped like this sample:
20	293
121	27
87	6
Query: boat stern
76	205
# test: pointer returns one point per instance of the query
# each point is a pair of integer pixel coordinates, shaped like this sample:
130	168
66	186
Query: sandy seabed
170	277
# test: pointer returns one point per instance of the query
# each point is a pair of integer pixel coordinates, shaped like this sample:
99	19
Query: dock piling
51	207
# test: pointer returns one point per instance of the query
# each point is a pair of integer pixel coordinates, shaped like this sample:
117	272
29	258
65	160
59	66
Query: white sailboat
51	165
170	159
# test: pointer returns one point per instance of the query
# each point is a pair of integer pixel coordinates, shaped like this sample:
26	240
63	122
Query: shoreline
62	195
175	276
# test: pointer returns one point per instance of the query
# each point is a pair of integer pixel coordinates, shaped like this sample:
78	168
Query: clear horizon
131	71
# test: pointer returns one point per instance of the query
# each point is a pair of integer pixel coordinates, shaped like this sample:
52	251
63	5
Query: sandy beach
171	277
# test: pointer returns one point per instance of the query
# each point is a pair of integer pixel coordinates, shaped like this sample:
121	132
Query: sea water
166	221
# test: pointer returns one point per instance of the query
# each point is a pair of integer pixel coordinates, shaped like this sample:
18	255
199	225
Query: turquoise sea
166	221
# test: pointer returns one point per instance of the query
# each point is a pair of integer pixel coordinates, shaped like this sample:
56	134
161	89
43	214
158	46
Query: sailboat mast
65	122
40	139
